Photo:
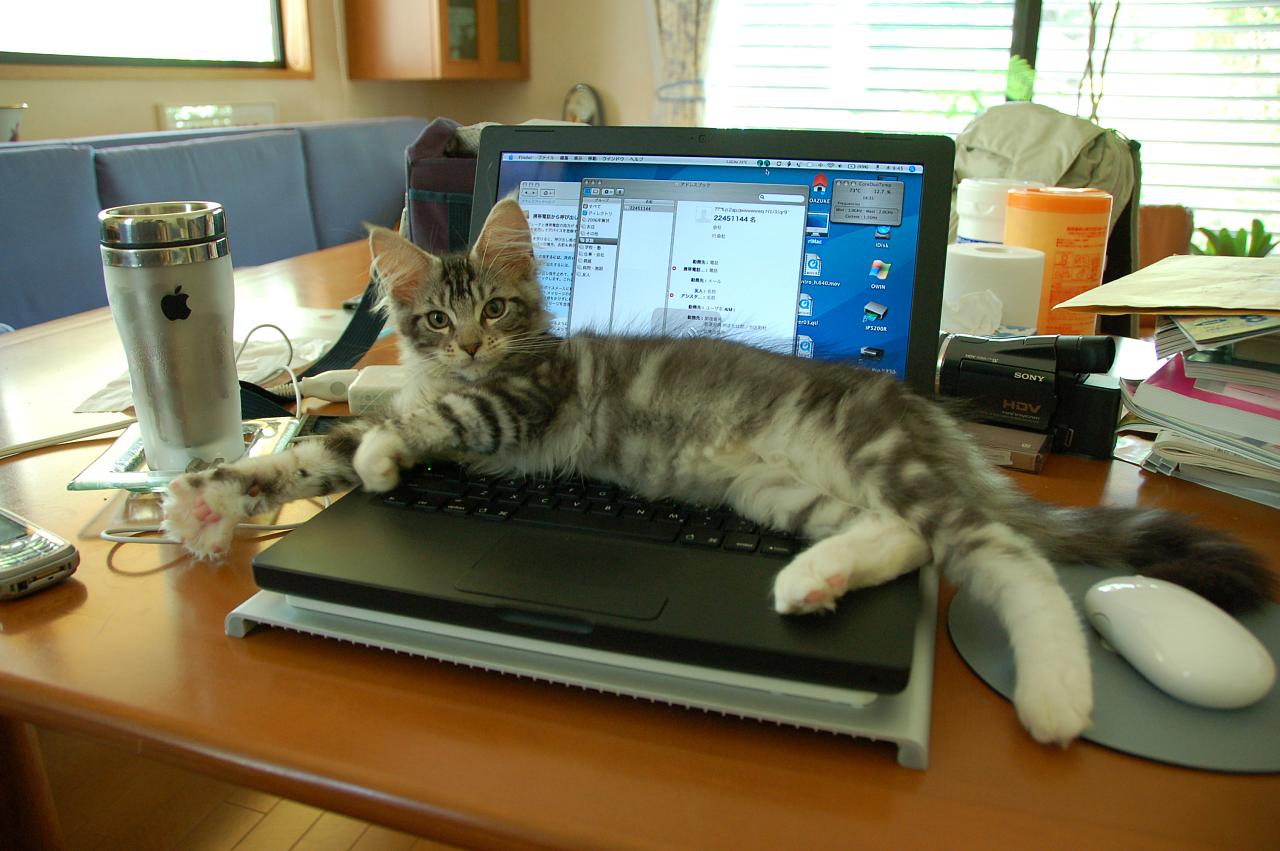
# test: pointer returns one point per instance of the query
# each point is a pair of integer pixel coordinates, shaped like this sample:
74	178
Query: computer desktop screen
813	258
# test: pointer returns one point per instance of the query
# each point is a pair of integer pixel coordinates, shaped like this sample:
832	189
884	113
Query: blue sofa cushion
356	174
259	178
48	191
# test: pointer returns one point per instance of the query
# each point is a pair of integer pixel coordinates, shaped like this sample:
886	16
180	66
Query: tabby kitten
880	480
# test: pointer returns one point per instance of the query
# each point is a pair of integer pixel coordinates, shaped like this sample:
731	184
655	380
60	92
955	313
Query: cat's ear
505	242
399	266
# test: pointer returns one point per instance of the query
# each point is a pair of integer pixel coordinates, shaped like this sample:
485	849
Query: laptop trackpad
578	574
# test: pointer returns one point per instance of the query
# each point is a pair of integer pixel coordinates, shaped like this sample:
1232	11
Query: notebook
823	244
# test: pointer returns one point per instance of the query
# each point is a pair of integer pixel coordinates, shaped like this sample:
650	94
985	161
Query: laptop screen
816	257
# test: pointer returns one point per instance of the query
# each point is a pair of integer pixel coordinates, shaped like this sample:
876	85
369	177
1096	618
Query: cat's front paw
202	512
378	458
1055	705
809	583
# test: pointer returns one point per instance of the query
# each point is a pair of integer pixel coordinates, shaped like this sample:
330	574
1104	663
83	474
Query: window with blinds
1196	83
906	66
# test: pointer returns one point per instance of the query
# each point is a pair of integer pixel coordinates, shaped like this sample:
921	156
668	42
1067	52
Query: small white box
374	388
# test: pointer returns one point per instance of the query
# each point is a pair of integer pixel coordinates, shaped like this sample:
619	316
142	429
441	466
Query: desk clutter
1022	248
1213	407
1215	404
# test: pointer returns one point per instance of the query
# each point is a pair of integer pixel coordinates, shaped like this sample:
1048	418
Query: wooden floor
108	798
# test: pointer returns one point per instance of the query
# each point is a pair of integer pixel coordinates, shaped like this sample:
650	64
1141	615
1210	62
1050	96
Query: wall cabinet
437	39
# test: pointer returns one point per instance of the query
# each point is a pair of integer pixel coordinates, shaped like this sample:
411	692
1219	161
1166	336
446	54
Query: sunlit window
1195	82
143	32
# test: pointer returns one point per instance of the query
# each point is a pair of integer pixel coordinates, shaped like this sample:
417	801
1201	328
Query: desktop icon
817	224
870	353
805	306
819	184
880	269
812	265
874	311
804	346
883	232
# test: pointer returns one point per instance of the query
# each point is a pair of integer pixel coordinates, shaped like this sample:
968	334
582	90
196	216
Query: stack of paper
1207	333
1214	405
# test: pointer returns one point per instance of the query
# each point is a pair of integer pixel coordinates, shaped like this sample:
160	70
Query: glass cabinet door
508	25
462	34
483	39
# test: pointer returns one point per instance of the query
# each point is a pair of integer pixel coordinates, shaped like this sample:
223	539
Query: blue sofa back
49	262
287	189
268	216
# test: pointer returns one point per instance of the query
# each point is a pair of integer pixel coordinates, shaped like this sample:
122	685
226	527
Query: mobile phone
31	558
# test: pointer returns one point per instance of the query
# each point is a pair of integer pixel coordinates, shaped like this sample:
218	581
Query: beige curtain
683	35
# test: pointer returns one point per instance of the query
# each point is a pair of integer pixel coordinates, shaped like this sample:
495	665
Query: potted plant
1255	242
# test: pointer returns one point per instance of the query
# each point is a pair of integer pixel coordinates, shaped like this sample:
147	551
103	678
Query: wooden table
132	650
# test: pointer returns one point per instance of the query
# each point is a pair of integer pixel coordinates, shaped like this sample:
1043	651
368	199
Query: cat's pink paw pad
202	513
808	584
816	601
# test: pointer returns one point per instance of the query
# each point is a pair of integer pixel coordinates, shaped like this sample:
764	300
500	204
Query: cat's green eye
438	319
494	307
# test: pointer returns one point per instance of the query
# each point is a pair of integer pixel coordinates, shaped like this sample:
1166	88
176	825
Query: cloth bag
440	177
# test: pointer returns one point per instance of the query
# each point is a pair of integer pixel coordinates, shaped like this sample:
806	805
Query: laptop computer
644	229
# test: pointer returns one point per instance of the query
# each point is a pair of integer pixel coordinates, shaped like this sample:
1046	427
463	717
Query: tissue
991	289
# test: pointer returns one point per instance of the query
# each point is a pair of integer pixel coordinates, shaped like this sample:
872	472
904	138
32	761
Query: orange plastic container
1070	226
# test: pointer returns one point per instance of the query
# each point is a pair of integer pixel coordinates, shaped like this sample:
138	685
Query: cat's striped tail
1159	544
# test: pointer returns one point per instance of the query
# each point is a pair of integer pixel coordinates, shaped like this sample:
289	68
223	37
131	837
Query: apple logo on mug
174	305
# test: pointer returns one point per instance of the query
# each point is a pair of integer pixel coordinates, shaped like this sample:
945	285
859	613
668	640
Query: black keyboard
581	504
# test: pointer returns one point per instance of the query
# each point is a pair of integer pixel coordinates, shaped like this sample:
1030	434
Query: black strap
258	402
354	343
358	337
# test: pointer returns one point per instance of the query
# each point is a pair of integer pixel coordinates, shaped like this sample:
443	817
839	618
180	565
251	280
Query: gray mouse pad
1130	714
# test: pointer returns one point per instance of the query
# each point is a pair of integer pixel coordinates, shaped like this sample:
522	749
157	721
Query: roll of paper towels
978	275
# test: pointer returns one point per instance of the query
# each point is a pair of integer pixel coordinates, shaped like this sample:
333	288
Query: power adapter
374	388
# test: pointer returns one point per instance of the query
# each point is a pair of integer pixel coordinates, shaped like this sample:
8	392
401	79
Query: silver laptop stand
901	718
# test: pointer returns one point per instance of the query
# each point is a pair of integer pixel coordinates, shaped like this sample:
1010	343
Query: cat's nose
470	348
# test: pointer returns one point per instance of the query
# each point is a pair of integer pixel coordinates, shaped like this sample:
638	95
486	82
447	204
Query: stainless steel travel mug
167	269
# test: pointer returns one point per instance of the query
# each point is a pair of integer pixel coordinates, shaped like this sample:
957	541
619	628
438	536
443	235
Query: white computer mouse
1182	643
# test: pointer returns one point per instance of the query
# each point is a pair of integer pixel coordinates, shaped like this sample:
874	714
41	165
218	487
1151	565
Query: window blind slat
1196	83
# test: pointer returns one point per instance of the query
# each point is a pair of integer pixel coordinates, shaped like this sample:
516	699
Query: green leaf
1020	80
1255	242
1260	243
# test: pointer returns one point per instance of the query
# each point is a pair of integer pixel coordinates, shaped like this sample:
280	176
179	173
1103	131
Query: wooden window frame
295	31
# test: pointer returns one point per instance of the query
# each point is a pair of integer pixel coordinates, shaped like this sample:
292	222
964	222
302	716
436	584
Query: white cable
59	439
288	343
293	378
132	534
67	437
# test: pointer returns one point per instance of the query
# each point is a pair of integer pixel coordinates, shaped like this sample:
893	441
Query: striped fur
880	480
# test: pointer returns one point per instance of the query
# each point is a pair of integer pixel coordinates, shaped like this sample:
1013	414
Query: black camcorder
1052	384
